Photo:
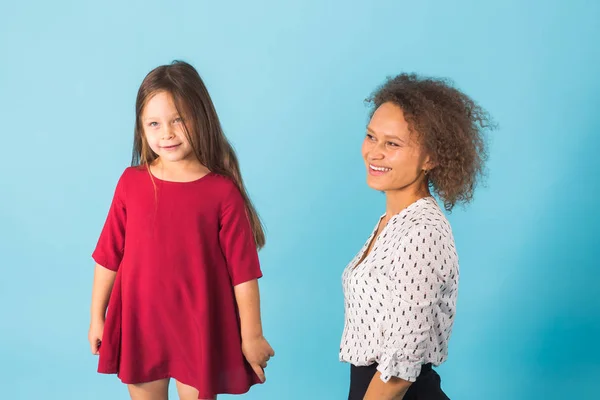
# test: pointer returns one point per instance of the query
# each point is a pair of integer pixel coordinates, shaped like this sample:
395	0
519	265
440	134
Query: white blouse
400	300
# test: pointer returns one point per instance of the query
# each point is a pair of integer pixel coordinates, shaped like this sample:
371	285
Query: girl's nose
167	133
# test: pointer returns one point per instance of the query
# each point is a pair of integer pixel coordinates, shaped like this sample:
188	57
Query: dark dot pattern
400	299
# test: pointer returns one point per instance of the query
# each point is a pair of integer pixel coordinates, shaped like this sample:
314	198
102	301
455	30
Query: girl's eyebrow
173	115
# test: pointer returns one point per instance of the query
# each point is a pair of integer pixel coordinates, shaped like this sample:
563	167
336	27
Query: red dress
178	250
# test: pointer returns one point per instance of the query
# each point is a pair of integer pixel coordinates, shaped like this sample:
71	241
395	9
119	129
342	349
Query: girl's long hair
202	127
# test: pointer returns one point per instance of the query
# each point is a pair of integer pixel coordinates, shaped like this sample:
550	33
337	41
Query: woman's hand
257	352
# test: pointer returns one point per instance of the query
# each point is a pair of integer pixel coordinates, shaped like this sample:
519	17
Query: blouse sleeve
417	278
237	239
111	244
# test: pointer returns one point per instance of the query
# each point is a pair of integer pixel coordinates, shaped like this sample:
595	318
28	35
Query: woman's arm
394	389
422	291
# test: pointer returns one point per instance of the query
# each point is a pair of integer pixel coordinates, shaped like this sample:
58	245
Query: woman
400	290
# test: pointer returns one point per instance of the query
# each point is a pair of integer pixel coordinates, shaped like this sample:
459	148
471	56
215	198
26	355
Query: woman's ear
429	164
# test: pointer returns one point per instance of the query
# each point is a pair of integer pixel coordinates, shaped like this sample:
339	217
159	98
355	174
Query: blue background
289	79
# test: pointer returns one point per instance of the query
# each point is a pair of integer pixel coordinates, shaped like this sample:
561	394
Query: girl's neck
184	170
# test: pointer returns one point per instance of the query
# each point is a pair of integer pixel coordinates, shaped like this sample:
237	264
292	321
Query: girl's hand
257	352
95	336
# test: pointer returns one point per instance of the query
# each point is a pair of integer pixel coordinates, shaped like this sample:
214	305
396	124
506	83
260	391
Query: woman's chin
377	185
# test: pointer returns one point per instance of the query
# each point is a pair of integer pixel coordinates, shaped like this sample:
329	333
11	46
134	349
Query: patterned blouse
400	300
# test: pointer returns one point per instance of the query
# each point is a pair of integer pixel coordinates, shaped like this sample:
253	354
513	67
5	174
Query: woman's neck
398	200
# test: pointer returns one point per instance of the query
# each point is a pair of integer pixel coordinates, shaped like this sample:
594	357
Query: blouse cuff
390	366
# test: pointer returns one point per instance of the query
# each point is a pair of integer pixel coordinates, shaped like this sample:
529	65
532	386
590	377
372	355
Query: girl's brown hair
202	127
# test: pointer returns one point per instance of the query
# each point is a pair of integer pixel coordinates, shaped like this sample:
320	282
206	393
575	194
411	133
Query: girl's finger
259	372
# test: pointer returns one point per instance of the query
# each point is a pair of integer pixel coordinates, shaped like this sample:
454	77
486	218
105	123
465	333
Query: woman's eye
370	137
393	144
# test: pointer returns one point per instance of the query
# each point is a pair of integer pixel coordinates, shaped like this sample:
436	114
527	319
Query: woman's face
393	156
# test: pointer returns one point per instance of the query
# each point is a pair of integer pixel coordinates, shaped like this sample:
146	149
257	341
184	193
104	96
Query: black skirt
426	387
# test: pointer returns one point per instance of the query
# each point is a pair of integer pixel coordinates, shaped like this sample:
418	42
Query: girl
400	290
175	291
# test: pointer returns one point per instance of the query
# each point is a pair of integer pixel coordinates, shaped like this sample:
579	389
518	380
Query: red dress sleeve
111	244
237	240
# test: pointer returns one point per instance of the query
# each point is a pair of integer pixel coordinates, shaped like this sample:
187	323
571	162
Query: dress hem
171	376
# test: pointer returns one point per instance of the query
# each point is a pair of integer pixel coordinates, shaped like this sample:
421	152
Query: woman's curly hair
451	128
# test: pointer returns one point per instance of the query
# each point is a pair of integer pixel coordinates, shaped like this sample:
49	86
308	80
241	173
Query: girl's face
164	129
393	157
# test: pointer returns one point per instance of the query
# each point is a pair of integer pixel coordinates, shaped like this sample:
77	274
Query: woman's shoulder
426	214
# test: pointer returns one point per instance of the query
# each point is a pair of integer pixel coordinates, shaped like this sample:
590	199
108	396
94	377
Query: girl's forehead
159	103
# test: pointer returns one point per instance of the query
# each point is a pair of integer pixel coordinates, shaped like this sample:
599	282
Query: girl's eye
178	120
153	124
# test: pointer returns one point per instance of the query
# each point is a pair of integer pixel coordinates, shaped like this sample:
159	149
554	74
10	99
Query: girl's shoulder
223	185
131	175
136	171
133	172
220	186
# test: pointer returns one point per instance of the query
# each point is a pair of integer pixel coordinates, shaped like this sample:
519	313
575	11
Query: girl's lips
170	147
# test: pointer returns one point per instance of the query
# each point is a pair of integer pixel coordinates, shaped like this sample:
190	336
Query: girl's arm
108	255
103	282
248	300
255	347
239	248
